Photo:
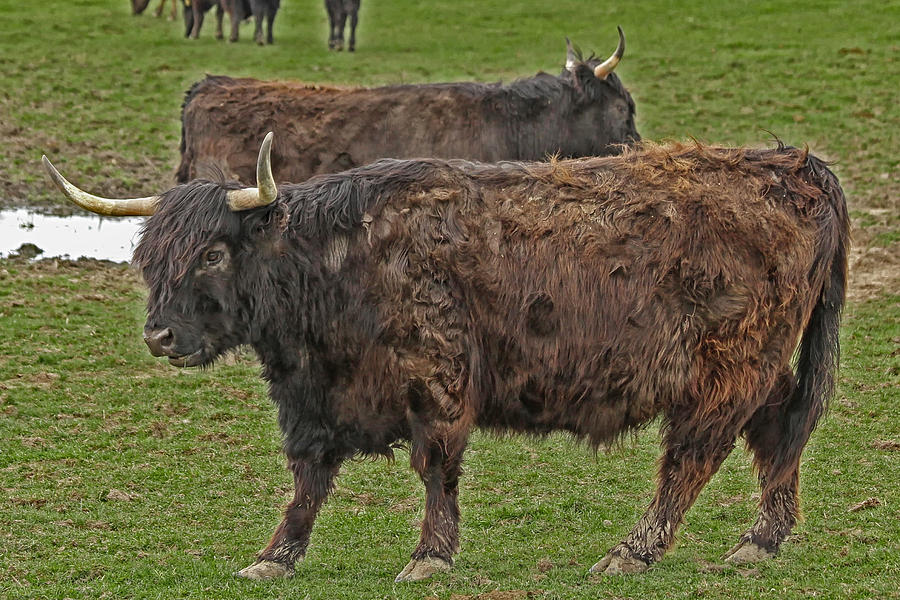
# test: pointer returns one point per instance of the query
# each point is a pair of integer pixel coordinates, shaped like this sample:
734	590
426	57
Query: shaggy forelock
188	219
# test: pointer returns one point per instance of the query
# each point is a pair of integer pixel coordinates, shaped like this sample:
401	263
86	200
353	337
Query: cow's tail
818	354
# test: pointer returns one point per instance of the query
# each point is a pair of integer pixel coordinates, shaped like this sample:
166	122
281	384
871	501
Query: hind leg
776	446
694	451
354	18
270	20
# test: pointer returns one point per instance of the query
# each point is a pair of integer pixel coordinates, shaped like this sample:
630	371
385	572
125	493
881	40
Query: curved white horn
114	207
266	190
603	70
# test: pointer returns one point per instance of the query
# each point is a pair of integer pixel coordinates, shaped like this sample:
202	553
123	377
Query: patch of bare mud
875	254
23	184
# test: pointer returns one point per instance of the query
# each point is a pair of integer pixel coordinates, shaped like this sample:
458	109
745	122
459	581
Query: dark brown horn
266	190
114	207
603	70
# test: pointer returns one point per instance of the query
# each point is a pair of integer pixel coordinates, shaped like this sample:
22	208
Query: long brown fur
416	300
327	129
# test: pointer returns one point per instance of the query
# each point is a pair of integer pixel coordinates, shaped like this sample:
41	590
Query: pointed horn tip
48	166
55	176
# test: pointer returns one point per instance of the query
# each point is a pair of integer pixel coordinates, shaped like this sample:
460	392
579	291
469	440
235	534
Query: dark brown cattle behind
327	129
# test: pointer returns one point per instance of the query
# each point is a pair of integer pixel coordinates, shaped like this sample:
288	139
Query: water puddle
72	237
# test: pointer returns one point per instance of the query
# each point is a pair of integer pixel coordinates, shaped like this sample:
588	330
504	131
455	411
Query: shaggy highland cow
415	300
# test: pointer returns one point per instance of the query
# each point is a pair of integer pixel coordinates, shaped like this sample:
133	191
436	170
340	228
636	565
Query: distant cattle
138	7
413	301
237	10
338	12
584	111
264	9
194	10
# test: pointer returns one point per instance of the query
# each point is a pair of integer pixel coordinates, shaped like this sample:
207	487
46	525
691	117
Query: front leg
354	17
220	12
198	20
313	482
439	464
237	15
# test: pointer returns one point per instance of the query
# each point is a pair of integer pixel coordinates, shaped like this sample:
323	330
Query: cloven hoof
613	564
423	568
746	552
266	569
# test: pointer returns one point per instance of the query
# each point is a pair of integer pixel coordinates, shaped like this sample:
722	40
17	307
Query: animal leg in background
270	21
768	437
313	481
691	457
197	23
220	13
354	18
334	13
439	464
261	9
162	4
235	10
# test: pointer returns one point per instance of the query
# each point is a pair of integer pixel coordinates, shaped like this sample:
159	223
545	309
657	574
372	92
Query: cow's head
202	251
138	6
606	104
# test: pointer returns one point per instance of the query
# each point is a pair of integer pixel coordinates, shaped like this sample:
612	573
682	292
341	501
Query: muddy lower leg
776	448
312	484
439	469
690	460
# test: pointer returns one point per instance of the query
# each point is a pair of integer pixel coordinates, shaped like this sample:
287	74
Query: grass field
122	477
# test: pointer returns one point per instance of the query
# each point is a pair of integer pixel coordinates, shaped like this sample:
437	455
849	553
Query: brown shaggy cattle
585	111
416	300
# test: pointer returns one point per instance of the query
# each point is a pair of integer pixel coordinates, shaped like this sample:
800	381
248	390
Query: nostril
160	341
167	339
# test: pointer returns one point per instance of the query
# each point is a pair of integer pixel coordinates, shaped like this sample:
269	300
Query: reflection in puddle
74	237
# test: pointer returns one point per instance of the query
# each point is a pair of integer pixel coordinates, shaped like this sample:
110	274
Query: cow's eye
214	257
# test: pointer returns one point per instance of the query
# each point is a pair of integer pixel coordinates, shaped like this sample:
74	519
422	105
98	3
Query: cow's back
595	293
326	129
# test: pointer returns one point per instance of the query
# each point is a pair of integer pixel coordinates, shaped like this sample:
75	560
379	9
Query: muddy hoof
747	552
613	564
423	568
266	569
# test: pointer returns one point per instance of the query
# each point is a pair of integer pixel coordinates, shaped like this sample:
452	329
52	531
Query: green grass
122	477
126	478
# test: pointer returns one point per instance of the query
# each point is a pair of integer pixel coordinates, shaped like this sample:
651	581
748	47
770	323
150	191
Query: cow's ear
583	77
573	56
267	223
